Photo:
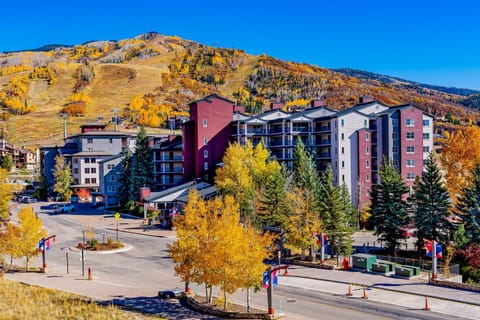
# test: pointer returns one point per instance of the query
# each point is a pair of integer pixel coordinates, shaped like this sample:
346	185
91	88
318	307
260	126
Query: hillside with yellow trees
152	77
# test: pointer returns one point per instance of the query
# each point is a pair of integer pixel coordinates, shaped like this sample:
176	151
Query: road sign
117	216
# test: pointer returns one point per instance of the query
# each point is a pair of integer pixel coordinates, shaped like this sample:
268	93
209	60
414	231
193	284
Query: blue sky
435	42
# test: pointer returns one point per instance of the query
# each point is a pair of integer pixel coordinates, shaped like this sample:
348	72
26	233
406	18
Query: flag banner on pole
265	279
47	244
40	245
429	248
319	239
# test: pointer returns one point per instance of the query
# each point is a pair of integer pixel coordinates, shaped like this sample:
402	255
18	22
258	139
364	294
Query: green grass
21	301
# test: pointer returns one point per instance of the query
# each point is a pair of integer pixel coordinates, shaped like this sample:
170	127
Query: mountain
151	77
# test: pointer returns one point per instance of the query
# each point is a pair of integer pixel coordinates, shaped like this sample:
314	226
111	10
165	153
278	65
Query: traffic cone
364	294
427	308
349	292
286	272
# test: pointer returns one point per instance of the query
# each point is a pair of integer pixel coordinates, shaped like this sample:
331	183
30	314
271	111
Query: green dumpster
363	261
404	271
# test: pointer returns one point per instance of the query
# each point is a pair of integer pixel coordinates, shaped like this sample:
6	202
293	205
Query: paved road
133	277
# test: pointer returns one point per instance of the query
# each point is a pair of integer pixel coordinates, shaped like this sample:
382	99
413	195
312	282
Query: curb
387	289
126	247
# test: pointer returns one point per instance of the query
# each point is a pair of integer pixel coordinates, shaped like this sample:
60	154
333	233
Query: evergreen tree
273	205
388	208
143	161
335	211
7	163
432	205
304	169
350	211
127	190
468	205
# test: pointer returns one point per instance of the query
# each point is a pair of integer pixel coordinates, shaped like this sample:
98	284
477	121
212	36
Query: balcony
276	143
276	130
323	142
324	155
256	131
167	159
170	170
323	128
300	129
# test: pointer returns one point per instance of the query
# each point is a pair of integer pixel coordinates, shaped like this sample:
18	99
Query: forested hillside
152	77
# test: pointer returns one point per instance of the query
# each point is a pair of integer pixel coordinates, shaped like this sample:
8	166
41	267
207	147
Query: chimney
366	99
238	108
144	193
317	103
276	105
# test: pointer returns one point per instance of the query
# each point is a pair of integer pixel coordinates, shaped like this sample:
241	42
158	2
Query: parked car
27	199
169	294
65	208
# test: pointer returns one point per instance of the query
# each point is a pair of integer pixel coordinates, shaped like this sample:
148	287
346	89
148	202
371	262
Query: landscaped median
235	311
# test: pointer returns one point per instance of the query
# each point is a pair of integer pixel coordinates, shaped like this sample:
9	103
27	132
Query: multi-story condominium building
167	155
353	141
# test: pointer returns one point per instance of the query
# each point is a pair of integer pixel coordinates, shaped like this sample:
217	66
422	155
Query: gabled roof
238	116
101	134
209	99
172	194
111	158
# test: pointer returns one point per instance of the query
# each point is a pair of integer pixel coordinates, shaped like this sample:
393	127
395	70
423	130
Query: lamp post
43	247
115	110
64	116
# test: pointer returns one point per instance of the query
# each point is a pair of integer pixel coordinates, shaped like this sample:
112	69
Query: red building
206	136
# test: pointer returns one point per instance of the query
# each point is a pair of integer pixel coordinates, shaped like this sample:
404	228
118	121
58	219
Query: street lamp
115	110
44	245
64	116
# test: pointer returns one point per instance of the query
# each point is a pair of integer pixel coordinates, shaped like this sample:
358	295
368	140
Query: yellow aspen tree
31	232
190	233
10	242
458	157
302	224
6	190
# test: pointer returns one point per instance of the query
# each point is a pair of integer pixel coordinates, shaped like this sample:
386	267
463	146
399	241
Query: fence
425	265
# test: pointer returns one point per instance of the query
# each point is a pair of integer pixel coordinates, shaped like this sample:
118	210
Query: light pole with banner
44	245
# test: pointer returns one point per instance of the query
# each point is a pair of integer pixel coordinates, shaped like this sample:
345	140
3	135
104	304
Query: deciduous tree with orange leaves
458	157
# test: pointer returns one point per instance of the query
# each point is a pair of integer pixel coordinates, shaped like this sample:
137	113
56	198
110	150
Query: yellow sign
117	216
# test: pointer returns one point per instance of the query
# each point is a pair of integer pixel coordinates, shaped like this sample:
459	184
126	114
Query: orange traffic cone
286	272
427	308
349	292
364	294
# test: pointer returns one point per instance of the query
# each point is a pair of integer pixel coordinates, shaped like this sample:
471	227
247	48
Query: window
205	177
395	163
111	188
343	136
94	180
367	164
87	170
94	170
205	166
205	153
367	178
204	123
75	160
410	163
426	149
426	136
343	178
87	180
75	170
410	176
426	123
75	181
367	137
87	160
89	140
395	149
205	141
110	140
395	122
367	150
410	149
343	150
342	122
93	160
112	178
395	135
409	122
343	164
410	135
365	123
110	166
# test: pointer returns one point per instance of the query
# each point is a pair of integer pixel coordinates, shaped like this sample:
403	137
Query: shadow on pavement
168	308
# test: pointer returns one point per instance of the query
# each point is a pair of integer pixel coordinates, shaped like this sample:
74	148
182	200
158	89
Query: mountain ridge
152	77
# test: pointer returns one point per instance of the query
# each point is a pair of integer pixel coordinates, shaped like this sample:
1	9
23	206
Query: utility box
404	271
380	267
363	261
